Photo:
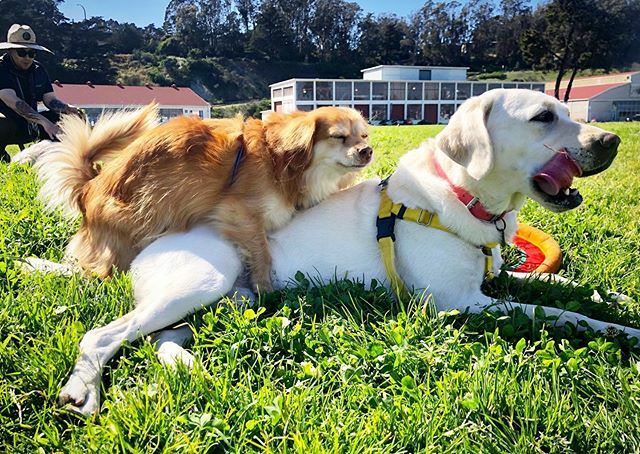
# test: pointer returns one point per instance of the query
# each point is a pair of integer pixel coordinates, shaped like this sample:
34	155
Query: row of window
432	113
625	109
381	91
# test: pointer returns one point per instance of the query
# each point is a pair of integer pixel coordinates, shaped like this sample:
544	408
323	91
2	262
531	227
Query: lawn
341	368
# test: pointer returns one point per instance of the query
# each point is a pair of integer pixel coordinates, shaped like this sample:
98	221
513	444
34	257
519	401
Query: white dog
498	149
33	152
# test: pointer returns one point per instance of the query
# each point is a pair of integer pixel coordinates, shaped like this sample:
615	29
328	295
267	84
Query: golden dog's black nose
365	153
609	141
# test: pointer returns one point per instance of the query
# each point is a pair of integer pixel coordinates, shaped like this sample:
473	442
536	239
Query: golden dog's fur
133	180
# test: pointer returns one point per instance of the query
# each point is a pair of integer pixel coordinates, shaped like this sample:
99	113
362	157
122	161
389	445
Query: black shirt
30	85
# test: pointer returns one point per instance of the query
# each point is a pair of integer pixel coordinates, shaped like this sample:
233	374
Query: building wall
413	73
605	107
431	101
166	112
579	110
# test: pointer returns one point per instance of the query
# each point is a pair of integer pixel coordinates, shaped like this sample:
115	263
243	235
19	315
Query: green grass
338	368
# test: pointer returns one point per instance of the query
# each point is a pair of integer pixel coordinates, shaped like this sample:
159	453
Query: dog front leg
173	277
169	343
241	226
557	279
560	316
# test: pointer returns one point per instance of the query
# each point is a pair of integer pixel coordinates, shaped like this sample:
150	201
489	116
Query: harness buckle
473	202
385	228
420	221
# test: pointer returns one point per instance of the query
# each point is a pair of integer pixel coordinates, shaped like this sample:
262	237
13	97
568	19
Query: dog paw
619	297
171	355
80	397
32	265
243	295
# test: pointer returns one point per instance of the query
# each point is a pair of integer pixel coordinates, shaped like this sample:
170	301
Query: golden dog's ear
291	139
466	138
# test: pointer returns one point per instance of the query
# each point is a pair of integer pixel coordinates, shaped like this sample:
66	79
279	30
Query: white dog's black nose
609	141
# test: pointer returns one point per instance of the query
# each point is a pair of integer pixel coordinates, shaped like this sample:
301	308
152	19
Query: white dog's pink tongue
557	173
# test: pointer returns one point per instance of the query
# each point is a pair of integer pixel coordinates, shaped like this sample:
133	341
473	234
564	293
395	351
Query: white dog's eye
544	117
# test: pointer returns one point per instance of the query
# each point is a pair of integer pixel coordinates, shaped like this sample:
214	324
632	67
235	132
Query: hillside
220	80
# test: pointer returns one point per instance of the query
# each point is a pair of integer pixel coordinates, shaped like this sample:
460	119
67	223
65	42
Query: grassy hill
220	80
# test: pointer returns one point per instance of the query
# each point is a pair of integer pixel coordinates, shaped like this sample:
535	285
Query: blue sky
144	12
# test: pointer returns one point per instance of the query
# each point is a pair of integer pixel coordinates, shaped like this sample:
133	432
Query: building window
509	85
538	87
447	91
288	91
380	90
277	92
478	89
305	107
431	91
525	86
414	91
170	113
414	112
446	111
324	91
379	112
361	91
398	90
343	91
425	74
494	86
625	110
305	91
463	91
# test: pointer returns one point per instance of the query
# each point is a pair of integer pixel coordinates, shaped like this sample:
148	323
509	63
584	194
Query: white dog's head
522	143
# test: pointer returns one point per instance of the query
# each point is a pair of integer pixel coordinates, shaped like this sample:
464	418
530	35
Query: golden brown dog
133	180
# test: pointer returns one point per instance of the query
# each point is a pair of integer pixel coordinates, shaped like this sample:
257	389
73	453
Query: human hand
51	129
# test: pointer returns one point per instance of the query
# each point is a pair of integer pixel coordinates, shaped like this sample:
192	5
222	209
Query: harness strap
388	212
236	163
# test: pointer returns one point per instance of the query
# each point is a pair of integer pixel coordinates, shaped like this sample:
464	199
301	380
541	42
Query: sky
145	12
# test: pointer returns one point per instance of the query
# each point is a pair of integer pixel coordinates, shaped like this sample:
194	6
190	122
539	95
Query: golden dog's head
317	149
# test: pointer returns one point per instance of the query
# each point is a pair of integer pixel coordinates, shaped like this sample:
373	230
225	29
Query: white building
609	97
429	94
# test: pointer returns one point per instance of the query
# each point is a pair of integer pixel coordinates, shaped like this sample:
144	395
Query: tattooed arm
56	105
19	106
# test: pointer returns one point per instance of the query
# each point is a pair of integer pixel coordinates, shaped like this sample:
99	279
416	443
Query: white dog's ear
466	139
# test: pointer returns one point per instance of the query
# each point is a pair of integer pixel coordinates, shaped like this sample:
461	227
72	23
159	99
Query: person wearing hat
23	83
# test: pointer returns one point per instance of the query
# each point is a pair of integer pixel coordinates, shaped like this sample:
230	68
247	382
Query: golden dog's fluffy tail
74	161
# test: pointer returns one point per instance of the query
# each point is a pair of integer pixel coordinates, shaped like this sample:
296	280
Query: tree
273	36
442	32
384	40
248	10
568	35
333	27
513	21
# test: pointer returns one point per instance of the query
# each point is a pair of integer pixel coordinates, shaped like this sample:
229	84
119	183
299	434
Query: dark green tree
333	26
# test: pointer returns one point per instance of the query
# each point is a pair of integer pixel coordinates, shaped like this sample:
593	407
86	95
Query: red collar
475	207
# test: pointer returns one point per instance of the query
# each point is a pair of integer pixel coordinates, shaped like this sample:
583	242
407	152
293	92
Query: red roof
125	95
595	76
586	92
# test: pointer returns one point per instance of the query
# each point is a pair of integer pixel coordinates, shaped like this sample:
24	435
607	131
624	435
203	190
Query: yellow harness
387	215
